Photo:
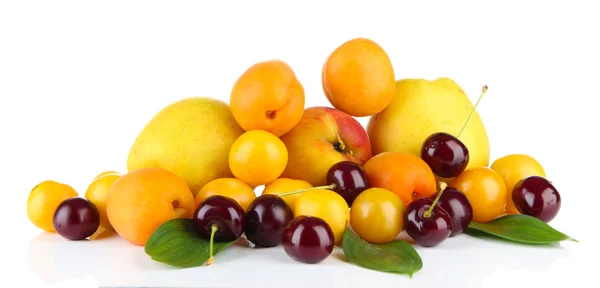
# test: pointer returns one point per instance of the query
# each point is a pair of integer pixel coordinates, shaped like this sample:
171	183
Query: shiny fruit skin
142	200
485	190
233	188
349	178
268	96
43	200
266	219
258	157
402	173
225	213
358	78
283	185
514	167
97	192
76	219
445	154
427	232
377	215
457	205
308	239
327	205
536	196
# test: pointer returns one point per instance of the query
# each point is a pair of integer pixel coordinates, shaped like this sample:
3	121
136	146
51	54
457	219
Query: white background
78	80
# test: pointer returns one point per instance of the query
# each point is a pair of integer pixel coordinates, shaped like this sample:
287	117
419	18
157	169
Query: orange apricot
358	78
485	190
268	96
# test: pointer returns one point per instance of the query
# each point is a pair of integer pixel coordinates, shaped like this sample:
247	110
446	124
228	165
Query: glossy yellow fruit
327	205
258	157
283	185
97	192
43	201
233	188
377	215
422	107
513	168
485	190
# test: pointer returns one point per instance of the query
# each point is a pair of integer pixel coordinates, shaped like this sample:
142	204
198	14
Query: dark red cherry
225	213
536	196
445	154
266	219
349	178
427	231
76	218
458	206
308	239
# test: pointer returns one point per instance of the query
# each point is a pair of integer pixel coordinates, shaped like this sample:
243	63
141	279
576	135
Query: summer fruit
426	222
191	138
76	218
349	180
513	168
43	200
445	154
266	219
258	157
402	173
268	96
283	185
377	215
457	205
536	196
97	192
421	108
485	191
233	188
358	78
324	136
142	200
327	205
308	239
220	219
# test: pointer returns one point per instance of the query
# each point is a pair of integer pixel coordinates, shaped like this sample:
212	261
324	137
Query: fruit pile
204	173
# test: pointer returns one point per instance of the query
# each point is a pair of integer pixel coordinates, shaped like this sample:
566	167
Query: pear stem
473	110
443	186
214	228
328	187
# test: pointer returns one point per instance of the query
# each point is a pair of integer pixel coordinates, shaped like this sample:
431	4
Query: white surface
79	80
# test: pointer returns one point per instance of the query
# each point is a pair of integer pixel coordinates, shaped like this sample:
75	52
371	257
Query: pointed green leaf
396	257
177	243
519	228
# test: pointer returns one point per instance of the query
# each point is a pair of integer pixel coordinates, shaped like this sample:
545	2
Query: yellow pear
423	107
191	138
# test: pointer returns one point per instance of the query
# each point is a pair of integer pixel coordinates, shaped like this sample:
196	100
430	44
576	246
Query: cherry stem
214	228
473	110
443	186
328	187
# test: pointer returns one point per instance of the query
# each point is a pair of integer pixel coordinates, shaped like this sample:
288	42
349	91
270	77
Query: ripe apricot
268	96
233	188
43	200
513	168
358	78
97	192
142	200
258	157
377	215
327	205
283	185
485	190
405	174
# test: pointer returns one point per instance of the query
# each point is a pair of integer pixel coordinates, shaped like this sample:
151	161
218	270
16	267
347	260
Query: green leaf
396	257
177	243
519	228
